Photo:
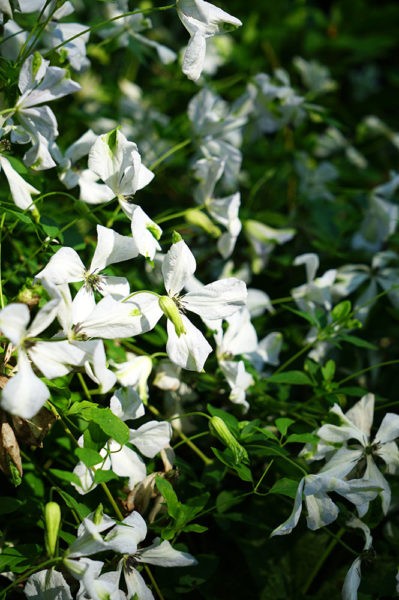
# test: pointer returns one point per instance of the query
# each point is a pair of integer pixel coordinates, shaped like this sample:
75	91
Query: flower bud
219	429
52	521
170	310
200	219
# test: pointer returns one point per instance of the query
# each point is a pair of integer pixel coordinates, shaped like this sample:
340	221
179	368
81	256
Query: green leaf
283	424
359	342
88	456
302	438
328	371
167	491
104	476
285	487
81	509
65	476
226	500
341	311
108	422
10	505
290	377
195	528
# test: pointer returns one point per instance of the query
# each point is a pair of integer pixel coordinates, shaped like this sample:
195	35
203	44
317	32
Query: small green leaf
302	438
283	424
359	342
66	476
167	491
290	377
88	456
108	422
341	311
104	476
285	487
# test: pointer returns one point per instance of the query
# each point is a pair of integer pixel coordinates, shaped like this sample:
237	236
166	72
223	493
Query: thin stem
292	462
263	476
112	501
106	23
293	358
168	153
84	386
186	440
153	582
176	215
383	364
322	560
1	240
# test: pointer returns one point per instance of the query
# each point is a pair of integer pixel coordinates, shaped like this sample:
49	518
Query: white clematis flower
25	394
356	424
202	20
66	267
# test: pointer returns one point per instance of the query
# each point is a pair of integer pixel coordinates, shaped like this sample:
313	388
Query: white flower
21	190
356	424
202	20
317	290
118	163
25	394
47	585
66	267
352	579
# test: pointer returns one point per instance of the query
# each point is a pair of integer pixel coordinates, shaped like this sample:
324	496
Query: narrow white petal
352	581
293	519
24	394
125	537
14	319
136	586
178	265
55	359
161	553
126	463
362	413
189	350
194	56
47	585
388	430
21	190
111	248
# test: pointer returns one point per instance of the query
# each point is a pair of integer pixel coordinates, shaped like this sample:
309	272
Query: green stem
1	236
283	456
106	23
383	364
84	386
293	358
153	582
112	501
322	560
168	153
263	476
177	215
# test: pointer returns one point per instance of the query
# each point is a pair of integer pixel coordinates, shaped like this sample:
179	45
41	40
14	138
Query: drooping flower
202	20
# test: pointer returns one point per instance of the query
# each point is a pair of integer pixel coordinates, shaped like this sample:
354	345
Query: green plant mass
199	300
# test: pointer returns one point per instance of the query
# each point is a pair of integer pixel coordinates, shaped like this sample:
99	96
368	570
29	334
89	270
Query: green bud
98	515
176	237
200	219
52	521
36	62
170	310
219	429
154	230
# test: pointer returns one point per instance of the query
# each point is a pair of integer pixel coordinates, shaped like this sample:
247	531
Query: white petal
151	437
293	519
388	430
352	581
321	510
111	248
44	318
161	553
55	359
126	403
126	463
362	413
145	232
136	586
83	304
21	190
217	300
64	266
14	319
194	56
125	537
24	394
189	350
178	265
47	585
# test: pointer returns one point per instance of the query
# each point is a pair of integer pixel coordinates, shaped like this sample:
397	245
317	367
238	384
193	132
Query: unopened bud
170	310
200	219
219	429
52	521
98	515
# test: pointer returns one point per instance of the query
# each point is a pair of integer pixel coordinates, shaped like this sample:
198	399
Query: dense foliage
199	302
